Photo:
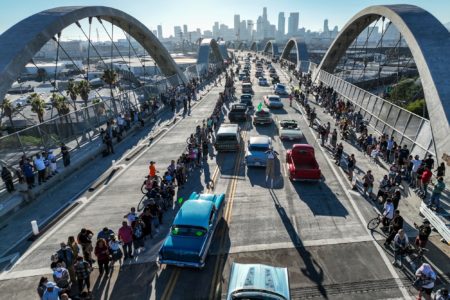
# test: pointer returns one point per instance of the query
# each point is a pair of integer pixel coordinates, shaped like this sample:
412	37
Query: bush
418	107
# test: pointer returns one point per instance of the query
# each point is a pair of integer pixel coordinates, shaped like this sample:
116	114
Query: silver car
256	155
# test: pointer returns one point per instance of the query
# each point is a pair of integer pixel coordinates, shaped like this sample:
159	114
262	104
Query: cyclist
395	225
388	212
425	280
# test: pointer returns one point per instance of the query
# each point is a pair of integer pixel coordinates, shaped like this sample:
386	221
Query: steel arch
301	50
272	44
429	42
20	42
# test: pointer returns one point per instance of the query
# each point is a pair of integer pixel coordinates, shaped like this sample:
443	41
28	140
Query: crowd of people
74	261
404	169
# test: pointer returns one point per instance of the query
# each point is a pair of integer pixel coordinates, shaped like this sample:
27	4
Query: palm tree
72	92
8	110
60	103
37	106
110	77
83	89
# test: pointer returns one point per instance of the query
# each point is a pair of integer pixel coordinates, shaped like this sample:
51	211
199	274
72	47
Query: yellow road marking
170	285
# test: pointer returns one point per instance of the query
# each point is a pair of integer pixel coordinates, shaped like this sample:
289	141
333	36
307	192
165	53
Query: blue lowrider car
256	155
190	236
256	281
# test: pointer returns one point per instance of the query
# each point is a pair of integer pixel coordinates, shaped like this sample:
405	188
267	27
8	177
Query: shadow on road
312	269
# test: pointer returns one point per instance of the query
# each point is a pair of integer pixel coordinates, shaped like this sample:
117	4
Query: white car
280	89
288	130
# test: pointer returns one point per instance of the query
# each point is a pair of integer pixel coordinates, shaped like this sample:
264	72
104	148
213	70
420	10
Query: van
228	138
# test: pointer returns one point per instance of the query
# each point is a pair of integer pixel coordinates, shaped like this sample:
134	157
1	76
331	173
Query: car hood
259	277
290	132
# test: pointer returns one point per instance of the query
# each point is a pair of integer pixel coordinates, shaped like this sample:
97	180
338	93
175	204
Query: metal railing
385	117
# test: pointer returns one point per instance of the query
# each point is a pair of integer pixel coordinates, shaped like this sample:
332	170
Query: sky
202	13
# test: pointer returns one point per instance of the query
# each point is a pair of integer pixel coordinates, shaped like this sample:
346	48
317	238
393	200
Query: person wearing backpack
138	235
425	278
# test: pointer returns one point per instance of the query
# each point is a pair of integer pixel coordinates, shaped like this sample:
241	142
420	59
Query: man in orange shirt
152	169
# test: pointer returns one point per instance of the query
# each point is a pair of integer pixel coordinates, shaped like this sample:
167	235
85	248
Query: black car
247	100
238	113
275	79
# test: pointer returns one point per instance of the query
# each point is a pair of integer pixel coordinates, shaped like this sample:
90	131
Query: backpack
138	231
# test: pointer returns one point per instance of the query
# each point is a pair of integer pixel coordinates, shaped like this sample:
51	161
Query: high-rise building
215	30
243	30
281	25
250	29
259	28
185	30
237	24
178	34
293	23
160	35
326	29
264	13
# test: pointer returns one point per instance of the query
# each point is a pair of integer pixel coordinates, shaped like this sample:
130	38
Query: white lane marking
69	216
363	221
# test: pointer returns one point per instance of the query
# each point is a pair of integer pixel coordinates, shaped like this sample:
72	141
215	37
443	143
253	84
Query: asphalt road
316	230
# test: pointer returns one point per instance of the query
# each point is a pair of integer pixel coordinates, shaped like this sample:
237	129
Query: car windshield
256	294
246	97
225	138
280	86
289	124
258	147
182	230
238	108
262	113
274	99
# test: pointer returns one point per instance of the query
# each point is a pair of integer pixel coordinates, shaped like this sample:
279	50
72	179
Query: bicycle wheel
143	189
373	223
143	203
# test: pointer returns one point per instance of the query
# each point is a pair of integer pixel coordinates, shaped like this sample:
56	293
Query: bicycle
375	222
147	185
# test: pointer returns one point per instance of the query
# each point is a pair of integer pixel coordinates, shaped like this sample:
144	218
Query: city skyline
173	13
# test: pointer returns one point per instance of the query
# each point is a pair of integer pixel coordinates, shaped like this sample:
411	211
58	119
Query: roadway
317	230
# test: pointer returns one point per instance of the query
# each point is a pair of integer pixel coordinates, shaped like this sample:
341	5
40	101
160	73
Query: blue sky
202	13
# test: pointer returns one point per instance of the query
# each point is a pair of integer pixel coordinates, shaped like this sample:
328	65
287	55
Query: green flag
259	106
180	200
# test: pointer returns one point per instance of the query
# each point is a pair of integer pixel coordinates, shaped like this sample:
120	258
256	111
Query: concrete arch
301	50
242	46
223	50
20	42
203	51
429	42
254	47
272	45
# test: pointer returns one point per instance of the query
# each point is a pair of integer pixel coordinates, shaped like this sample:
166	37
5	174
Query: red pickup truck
302	164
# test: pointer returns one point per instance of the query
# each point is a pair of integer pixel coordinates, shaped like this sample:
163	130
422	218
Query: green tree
83	88
110	77
8	110
61	104
72	92
37	106
419	107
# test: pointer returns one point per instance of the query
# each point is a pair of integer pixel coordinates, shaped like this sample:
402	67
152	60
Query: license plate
257	163
291	138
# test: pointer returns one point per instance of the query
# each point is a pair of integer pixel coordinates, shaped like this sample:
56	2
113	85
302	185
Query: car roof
246	83
264	110
273	96
194	213
259	140
246	95
280	84
228	128
239	106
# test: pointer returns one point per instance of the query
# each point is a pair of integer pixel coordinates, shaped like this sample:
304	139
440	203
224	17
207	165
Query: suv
228	138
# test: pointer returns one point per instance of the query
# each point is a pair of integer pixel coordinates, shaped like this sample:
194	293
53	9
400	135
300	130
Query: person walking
126	237
85	240
102	252
395	225
334	136
368	180
351	163
65	154
401	244
83	271
439	187
116	252
7	179
65	254
270	166
424	233
39	165
425	278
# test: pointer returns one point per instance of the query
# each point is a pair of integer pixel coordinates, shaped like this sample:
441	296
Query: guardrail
440	222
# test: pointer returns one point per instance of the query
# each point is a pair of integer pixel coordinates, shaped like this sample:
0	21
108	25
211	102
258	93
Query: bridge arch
254	47
208	46
271	45
429	42
23	40
242	46
301	51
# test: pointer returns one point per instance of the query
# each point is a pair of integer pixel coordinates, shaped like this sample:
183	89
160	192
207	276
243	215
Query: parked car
238	113
262	117
262	81
302	163
247	88
191	233
247	100
273	101
289	130
257	147
257	281
228	138
280	89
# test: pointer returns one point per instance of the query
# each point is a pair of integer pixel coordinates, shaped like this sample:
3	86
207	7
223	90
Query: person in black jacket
7	179
394	226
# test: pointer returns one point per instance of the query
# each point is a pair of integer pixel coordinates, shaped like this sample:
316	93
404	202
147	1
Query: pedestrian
52	160
440	171
425	178
7	179
126	237
396	198
107	139
395	225
61	277
439	187
73	245
401	244
39	165
146	217
83	270
334	135
368	180
138	235
351	163
425	278
429	162
116	252
270	166
424	233
105	234
102	252
27	170
416	162
42	286
65	154
85	240
65	254
131	216
51	292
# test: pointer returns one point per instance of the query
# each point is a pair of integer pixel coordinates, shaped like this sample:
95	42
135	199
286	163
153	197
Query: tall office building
215	30
264	13
281	25
185	30
160	35
243	31
259	28
293	23
177	32
326	29
237	24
